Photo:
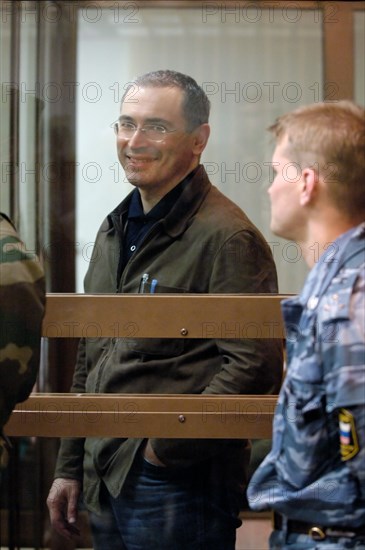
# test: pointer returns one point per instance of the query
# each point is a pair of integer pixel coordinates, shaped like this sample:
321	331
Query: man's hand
62	505
150	455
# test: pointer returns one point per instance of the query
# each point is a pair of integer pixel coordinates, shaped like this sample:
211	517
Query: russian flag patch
349	443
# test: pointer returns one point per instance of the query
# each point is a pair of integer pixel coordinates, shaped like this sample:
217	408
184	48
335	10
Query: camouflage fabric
22	299
315	471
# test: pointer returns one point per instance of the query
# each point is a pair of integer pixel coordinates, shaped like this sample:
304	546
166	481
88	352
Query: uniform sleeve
343	341
248	366
344	355
22	303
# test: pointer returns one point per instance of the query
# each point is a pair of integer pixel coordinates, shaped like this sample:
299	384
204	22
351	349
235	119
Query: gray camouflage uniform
315	472
22	299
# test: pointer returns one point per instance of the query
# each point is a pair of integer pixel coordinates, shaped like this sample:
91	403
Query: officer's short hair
329	137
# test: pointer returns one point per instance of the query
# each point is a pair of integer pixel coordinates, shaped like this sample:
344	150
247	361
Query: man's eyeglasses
153	132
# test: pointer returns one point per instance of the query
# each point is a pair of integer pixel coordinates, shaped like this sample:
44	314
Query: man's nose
138	139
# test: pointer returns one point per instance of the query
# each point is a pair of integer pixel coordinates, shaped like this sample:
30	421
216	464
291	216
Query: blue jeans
165	509
279	540
104	529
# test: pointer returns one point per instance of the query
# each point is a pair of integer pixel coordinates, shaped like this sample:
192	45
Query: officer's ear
200	138
309	186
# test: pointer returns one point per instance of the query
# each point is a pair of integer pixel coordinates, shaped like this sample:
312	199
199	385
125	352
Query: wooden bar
338	50
166	416
163	315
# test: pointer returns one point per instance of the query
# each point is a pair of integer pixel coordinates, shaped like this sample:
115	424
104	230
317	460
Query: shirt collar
163	207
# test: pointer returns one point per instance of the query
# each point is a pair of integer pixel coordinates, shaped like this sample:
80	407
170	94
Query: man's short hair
196	105
329	137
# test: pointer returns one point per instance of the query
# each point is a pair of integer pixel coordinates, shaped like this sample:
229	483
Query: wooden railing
146	316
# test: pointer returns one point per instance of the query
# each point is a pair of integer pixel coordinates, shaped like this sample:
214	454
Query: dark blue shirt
139	223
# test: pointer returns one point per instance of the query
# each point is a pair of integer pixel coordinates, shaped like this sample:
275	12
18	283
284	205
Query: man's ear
310	184
200	135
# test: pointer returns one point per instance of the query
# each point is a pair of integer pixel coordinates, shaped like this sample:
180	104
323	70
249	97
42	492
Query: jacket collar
178	218
188	203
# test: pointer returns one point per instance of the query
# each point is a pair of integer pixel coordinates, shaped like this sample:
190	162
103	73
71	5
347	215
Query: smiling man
157	165
174	233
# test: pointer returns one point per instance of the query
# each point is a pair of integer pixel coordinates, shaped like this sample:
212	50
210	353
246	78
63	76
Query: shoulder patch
349	442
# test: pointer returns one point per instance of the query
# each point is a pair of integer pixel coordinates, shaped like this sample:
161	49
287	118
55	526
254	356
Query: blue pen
153	286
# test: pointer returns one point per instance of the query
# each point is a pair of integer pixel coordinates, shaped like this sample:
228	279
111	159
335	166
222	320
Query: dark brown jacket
206	244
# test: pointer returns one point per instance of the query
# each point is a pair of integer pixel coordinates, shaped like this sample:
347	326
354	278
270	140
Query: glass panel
28	96
253	63
25	170
5	78
359	41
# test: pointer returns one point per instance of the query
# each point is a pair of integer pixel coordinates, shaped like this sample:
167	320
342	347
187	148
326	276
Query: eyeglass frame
115	126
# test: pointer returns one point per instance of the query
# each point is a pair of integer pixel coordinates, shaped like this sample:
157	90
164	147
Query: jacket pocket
306	435
158	347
